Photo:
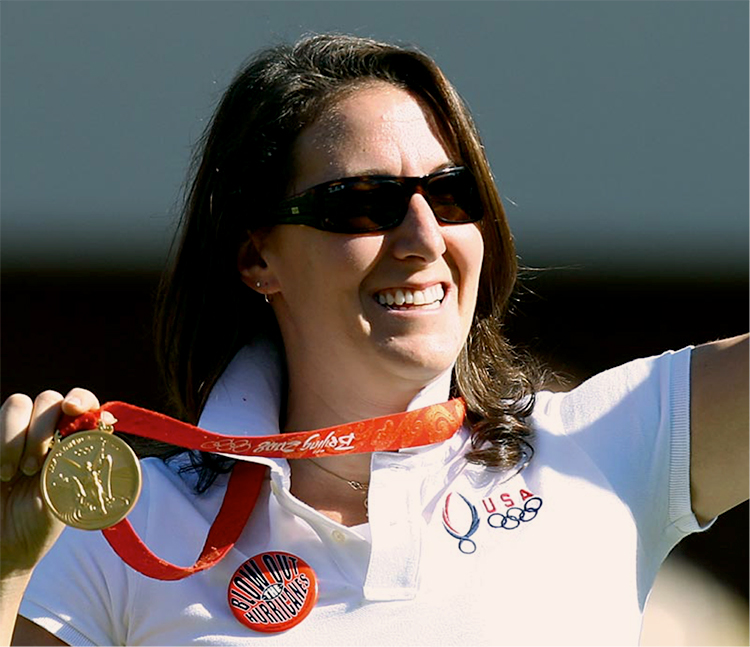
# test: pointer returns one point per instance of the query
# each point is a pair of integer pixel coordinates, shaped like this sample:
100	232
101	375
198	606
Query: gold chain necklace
354	485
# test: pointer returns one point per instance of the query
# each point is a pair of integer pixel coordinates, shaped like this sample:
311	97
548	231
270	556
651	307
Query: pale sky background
618	130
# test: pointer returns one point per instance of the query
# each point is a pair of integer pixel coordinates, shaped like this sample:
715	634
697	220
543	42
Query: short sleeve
634	422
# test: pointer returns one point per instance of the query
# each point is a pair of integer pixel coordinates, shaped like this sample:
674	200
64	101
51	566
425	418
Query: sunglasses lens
454	198
364	205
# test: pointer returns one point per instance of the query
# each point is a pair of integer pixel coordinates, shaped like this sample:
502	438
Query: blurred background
617	131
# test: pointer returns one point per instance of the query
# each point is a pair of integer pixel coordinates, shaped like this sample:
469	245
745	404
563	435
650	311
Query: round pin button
272	591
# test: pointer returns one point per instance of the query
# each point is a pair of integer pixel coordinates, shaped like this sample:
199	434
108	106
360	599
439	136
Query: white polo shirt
563	553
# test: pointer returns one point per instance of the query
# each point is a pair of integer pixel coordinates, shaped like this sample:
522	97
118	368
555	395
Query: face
387	309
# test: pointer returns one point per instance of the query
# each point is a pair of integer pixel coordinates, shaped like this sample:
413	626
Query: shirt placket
348	550
395	524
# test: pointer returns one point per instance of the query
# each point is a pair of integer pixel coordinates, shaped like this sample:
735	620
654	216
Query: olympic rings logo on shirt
511	519
515	516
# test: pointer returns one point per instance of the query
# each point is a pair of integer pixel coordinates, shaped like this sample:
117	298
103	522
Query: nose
420	234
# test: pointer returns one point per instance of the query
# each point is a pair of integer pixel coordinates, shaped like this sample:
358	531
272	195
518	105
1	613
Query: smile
406	298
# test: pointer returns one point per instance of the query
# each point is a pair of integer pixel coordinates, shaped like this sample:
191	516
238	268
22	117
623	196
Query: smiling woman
339	288
342	344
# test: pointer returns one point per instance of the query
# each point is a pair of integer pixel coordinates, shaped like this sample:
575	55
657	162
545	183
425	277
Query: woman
345	256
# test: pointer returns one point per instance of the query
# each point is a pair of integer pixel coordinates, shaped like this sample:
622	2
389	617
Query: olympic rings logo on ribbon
465	544
229	445
515	516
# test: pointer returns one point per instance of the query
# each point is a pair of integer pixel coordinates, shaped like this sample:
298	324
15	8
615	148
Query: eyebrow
376	171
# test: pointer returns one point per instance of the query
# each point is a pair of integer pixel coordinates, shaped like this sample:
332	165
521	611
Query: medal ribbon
424	426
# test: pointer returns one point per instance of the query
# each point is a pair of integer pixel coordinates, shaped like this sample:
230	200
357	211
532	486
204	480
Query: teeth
403	296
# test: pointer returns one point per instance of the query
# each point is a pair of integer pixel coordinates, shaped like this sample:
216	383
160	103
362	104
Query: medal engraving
91	480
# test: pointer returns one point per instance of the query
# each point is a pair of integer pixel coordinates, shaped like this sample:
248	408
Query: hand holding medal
26	434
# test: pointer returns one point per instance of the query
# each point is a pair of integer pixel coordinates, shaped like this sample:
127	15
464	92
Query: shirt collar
246	399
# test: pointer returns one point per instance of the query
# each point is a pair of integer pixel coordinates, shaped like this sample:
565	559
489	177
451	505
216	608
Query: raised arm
719	426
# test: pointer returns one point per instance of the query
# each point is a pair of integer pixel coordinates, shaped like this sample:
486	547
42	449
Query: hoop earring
265	296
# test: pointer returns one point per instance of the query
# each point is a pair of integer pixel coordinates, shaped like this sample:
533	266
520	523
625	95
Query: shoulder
639	389
628	427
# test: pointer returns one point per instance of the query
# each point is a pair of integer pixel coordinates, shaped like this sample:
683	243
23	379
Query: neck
312	404
322	484
316	411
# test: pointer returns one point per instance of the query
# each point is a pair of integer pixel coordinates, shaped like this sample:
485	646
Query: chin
420	362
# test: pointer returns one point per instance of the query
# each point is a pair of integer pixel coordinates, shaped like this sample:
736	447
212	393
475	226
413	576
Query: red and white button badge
273	591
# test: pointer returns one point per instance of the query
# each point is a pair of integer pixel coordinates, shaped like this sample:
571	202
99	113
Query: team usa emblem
272	592
504	511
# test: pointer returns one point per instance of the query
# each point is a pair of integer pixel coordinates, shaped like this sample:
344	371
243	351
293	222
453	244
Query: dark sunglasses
357	205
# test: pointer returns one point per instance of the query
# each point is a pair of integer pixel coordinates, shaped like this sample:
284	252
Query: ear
253	269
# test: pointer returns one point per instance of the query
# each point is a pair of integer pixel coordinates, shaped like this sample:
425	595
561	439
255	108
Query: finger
79	401
15	415
44	417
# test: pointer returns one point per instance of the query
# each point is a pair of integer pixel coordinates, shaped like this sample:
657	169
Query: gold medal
91	479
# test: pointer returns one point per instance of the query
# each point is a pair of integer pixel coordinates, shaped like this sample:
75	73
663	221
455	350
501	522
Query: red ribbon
424	426
239	500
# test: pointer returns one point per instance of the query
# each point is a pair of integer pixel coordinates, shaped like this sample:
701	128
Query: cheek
467	248
330	267
358	254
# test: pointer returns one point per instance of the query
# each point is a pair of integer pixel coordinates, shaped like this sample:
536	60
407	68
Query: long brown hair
241	170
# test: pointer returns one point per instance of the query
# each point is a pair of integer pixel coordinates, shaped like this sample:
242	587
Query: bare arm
27	528
719	426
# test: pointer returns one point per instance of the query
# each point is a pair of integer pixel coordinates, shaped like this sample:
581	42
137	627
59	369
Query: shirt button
338	536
